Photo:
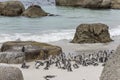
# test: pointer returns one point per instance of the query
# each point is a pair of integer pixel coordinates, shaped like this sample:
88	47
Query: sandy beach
28	24
68	47
82	73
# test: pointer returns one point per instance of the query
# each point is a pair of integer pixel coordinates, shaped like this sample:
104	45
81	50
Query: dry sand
77	48
83	73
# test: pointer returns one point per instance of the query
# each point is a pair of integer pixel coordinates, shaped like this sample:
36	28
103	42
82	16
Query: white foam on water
40	37
35	2
48	36
115	31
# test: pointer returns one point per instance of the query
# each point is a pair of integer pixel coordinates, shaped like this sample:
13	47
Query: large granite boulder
34	11
11	8
111	70
96	3
10	73
12	57
85	3
92	33
33	50
115	4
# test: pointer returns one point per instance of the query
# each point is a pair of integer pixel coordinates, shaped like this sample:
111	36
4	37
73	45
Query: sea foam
49	36
40	37
115	31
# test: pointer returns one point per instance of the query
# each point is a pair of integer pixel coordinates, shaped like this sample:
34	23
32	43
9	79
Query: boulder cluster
16	8
114	4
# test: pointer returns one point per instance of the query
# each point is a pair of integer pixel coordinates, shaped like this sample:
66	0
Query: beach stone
111	70
115	4
12	57
11	8
85	3
34	11
33	50
8	72
92	33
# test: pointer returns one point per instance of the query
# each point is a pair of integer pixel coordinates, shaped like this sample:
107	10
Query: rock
106	4
69	2
10	73
111	70
92	33
115	4
85	3
34	11
96	4
11	8
33	50
52	14
12	57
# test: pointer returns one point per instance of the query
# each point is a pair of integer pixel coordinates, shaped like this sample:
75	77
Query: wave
40	37
35	2
115	31
48	36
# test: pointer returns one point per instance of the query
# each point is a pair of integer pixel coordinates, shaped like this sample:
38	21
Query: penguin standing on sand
23	49
69	68
24	66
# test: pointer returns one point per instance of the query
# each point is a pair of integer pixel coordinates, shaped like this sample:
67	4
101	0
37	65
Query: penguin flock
70	62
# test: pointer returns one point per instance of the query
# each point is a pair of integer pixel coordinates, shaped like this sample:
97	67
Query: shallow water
54	28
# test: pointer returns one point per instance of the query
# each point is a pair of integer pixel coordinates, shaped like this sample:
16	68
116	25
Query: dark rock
11	8
53	15
33	50
10	73
34	11
92	33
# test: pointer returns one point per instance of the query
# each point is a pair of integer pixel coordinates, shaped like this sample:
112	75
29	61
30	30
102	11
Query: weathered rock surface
111	70
115	4
92	33
96	3
11	8
85	3
34	11
33	50
12	57
69	2
10	73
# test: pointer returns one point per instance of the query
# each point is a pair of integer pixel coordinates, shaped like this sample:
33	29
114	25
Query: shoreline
82	73
87	47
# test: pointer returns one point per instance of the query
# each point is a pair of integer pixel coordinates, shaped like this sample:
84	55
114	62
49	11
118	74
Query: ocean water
55	28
